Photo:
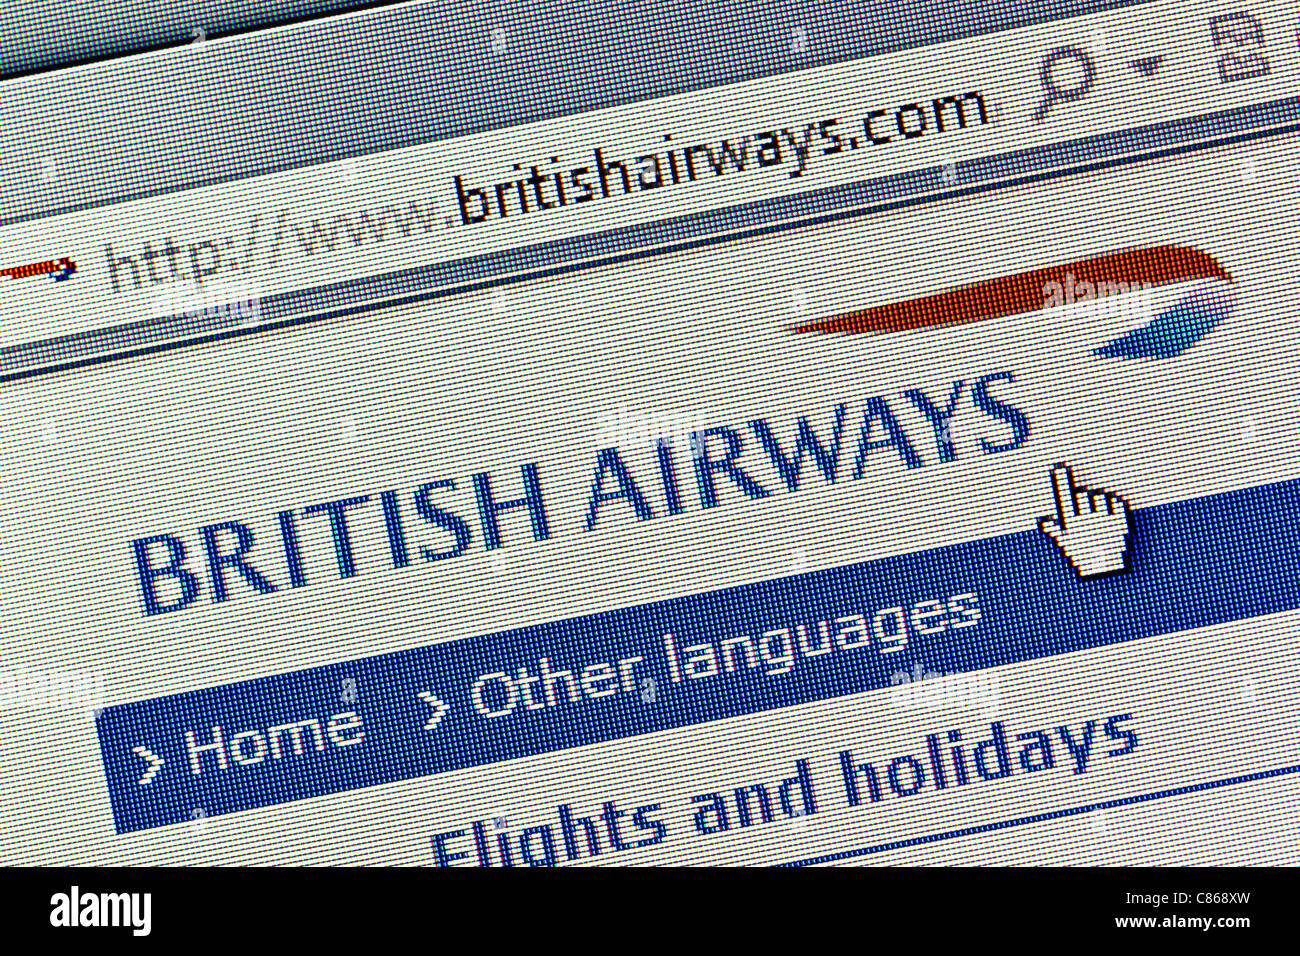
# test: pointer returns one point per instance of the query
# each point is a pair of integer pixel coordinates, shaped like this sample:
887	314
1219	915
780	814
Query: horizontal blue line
1041	817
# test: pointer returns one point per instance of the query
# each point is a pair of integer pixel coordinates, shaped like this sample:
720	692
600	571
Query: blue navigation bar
691	660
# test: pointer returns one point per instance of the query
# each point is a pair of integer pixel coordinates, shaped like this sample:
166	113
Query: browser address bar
584	178
826	141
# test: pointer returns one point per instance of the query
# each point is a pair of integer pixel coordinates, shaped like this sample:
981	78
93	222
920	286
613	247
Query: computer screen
874	446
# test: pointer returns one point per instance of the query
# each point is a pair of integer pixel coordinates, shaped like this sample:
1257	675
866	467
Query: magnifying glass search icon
1055	74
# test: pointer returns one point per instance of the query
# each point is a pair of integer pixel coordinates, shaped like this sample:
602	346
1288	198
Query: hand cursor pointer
1090	526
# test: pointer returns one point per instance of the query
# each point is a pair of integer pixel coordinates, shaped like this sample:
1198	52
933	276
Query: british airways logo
871	439
1208	298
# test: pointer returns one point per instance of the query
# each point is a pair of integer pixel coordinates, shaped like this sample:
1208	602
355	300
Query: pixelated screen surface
880	460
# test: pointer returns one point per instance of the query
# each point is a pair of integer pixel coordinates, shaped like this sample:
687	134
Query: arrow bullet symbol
440	709
155	764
